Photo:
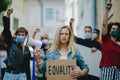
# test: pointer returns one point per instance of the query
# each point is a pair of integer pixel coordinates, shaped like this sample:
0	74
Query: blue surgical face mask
20	39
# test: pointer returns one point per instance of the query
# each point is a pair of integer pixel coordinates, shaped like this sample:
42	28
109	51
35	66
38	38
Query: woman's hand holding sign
76	73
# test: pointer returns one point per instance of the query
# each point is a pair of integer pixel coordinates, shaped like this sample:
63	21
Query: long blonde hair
56	44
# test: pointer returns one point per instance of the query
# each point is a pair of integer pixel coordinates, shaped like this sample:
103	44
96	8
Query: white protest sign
91	59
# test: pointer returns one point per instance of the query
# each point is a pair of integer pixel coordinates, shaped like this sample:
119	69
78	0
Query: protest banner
91	59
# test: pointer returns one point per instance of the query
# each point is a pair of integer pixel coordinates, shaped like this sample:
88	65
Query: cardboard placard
60	69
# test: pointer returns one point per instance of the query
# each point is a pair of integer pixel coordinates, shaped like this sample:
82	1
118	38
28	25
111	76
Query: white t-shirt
3	56
63	57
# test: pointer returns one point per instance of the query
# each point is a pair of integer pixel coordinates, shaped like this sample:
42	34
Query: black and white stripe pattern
110	73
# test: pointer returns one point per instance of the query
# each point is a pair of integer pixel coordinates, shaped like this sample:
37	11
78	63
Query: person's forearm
83	72
38	61
6	22
6	31
105	18
34	34
105	22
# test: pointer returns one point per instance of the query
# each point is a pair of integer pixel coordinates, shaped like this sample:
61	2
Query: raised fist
9	11
37	30
72	20
108	5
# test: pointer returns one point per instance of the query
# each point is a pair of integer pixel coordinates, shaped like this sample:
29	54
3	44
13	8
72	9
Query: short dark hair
98	31
88	27
21	29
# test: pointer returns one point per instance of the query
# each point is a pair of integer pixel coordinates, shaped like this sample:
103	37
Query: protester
96	38
64	48
110	62
71	23
96	35
44	38
18	58
87	41
3	55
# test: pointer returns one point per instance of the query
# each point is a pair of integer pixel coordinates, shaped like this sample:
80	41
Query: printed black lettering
72	67
68	69
49	70
60	70
53	70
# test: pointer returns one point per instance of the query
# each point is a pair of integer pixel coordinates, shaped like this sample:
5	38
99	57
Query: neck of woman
113	39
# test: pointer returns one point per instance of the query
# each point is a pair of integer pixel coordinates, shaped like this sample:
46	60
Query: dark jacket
17	58
88	43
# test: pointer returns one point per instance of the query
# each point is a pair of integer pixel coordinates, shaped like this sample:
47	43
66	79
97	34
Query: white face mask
45	40
88	35
94	36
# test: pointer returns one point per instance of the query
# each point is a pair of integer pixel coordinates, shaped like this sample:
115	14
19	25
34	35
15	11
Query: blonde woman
64	48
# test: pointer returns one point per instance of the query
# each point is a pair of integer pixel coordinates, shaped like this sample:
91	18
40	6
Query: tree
4	4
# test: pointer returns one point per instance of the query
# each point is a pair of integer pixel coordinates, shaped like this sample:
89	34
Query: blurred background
48	15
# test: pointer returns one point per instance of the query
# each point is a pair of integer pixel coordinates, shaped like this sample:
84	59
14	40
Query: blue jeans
11	76
37	78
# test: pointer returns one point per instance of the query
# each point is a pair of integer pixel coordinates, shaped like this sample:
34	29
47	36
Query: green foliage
4	4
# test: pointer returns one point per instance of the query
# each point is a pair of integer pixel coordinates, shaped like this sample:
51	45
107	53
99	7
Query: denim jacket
55	56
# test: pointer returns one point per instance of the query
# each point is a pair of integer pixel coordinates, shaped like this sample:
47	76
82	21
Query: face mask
20	39
94	36
88	35
114	33
45	40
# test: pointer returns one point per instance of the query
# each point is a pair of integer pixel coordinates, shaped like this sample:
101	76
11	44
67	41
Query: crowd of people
15	57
